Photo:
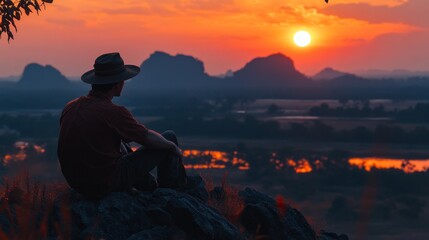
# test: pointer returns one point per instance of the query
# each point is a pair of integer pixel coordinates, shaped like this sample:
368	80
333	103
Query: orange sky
349	35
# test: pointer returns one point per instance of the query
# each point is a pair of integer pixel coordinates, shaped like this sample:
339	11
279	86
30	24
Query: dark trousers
135	168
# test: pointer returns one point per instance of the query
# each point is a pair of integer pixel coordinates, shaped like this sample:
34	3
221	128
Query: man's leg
135	168
171	172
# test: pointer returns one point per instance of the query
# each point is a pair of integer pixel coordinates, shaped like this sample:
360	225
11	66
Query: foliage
418	113
26	207
12	11
228	202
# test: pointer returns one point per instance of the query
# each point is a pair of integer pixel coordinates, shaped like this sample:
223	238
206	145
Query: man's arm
129	129
156	140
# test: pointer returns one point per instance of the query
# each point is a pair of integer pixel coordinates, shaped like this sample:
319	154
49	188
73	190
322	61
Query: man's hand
177	151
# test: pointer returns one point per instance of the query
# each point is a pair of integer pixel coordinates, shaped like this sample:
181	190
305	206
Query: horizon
225	35
397	72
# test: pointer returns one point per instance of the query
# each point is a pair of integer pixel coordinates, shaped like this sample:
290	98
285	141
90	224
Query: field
365	210
380	204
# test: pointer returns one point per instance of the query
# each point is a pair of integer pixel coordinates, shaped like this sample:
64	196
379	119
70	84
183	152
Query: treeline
229	126
250	127
416	114
14	127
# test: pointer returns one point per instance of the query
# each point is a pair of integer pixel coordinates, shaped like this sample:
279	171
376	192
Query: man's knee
170	135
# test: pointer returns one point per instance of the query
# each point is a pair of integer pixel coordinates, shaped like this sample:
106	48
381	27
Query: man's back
92	128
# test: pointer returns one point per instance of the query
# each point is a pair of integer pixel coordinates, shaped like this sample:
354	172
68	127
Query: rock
331	236
162	214
159	233
117	216
168	214
261	217
196	219
196	188
297	226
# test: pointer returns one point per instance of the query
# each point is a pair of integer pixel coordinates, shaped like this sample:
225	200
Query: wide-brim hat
110	68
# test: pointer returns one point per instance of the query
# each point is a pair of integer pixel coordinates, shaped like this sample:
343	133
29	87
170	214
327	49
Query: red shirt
91	130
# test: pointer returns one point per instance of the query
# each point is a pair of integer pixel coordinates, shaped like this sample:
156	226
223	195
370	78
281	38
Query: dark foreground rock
169	214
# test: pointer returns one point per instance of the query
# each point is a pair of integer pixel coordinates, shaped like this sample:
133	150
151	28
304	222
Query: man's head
109	73
114	88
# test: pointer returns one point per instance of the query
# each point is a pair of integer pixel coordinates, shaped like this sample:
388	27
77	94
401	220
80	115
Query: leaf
9	35
17	15
27	10
13	24
36	6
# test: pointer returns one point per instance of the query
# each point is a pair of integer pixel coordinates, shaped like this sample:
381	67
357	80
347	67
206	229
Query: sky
348	35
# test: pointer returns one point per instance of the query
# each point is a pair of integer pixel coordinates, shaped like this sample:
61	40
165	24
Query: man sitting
94	132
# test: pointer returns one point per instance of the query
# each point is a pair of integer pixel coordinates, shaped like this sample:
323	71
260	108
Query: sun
302	38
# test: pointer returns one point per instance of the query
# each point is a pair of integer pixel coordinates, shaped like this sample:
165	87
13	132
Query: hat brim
130	72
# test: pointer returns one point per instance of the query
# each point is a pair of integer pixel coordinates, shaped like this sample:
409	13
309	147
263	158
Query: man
94	131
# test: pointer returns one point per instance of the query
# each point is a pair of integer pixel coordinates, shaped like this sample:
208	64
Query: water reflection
213	159
210	159
205	159
406	165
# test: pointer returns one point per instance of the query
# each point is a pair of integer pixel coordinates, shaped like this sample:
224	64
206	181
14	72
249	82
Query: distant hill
9	79
162	70
38	76
328	74
393	74
350	80
273	70
166	77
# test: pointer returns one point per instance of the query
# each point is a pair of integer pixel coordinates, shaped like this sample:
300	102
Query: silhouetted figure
93	148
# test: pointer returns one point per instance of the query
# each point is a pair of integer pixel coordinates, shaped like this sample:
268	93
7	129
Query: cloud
411	12
72	22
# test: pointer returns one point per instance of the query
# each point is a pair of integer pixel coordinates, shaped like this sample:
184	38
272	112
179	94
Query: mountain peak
329	74
276	68
162	69
36	75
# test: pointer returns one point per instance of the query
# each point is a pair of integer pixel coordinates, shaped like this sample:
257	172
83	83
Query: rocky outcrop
273	70
166	214
38	76
165	71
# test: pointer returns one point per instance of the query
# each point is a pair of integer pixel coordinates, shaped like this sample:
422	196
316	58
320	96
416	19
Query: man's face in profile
118	89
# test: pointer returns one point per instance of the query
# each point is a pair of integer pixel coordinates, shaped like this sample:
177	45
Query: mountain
328	74
274	70
162	70
38	76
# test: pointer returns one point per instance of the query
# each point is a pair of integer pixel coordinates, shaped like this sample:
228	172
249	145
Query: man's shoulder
120	108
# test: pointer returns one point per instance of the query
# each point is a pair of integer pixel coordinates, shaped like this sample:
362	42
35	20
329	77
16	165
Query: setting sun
302	38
